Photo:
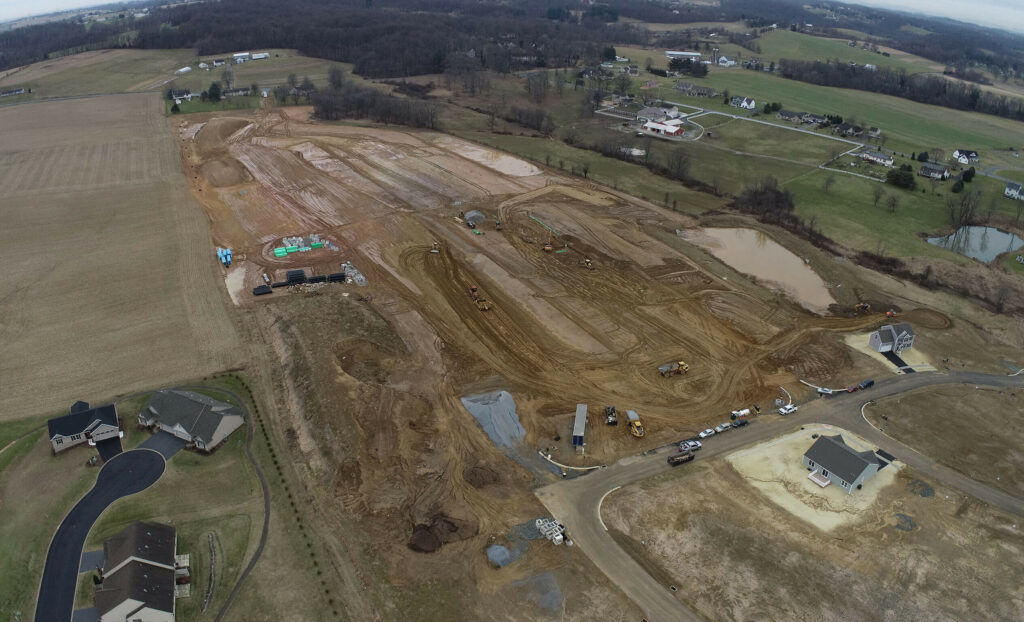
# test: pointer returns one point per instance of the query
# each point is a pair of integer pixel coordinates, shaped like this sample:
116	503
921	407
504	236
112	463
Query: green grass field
1014	174
745	136
799	46
268	72
228	103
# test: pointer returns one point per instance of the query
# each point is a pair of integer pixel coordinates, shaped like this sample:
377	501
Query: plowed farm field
110	284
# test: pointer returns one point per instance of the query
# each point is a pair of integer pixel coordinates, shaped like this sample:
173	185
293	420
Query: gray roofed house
892	338
196	418
138	575
788	115
880	158
1013	190
831	460
83	425
652	113
933	171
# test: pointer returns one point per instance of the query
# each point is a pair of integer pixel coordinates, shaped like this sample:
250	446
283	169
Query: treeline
926	89
354	101
34	43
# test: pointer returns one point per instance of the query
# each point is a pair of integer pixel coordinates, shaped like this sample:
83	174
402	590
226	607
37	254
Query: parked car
722	427
679	458
852	389
824	391
788	409
866	384
689	445
739	423
707	433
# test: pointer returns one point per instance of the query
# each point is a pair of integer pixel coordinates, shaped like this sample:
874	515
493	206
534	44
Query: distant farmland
109	282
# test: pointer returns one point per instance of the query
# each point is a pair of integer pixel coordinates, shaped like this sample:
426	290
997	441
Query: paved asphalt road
125	474
576	503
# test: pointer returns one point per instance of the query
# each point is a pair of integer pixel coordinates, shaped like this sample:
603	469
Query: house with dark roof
878	158
788	115
965	156
892	338
933	171
140	570
1013	191
832	461
656	114
83	425
193	417
816	119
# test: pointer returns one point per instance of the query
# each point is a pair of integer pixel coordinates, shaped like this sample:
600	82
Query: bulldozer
862	307
673	369
890	314
589	265
497	226
436	249
548	247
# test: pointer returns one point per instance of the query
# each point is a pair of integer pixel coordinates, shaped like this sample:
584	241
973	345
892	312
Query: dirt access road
577	503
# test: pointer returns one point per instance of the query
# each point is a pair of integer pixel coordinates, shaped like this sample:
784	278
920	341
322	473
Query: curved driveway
125	474
576	503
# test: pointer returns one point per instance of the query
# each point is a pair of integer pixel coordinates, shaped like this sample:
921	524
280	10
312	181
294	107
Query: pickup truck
680	458
611	417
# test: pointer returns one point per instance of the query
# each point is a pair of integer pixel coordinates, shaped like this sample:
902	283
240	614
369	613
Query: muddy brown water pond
756	254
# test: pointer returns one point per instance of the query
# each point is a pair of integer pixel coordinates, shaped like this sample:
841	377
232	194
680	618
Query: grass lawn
1013	174
758	138
228	103
799	46
36	491
268	72
1010	261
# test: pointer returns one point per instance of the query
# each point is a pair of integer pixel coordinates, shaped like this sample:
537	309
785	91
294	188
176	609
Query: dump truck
680	458
611	417
671	369
635	427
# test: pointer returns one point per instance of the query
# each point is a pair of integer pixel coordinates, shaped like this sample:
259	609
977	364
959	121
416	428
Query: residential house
874	132
633	70
1013	191
198	419
260	56
933	171
180	95
788	115
725	61
219	62
892	338
239	92
965	156
139	574
878	158
694	90
743	102
83	425
817	119
663	128
832	461
848	129
652	113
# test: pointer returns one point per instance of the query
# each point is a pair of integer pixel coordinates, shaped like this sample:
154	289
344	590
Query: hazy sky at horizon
1005	14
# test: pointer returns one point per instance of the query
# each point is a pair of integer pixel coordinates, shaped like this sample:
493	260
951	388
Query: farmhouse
181	94
663	128
933	171
874	132
831	460
1013	191
892	338
877	158
83	425
965	156
140	570
787	115
743	102
196	418
725	61
848	129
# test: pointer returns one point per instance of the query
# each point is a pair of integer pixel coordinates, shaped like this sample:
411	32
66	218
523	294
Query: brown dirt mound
480	476
216	131
442	529
363	360
224	172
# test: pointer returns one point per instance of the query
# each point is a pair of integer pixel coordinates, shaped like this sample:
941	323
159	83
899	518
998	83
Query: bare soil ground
736	555
109	283
977	431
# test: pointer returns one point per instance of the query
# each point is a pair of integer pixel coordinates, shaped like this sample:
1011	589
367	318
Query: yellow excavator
862	307
548	247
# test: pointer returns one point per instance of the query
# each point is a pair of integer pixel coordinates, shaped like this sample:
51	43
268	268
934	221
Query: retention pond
753	252
981	243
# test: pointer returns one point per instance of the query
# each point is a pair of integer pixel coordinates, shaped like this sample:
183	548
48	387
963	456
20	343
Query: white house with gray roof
193	417
832	461
1013	191
892	338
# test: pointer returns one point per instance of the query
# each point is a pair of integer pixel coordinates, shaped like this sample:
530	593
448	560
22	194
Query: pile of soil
224	172
442	529
480	476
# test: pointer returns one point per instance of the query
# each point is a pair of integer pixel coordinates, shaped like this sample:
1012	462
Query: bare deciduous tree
829	182
893	202
876	194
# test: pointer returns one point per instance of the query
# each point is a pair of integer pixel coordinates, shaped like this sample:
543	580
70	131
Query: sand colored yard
913	357
775	469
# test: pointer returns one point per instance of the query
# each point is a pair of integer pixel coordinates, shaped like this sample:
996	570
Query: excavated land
368	380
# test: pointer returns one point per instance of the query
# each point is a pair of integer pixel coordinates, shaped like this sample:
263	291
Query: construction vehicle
671	369
480	301
890	313
548	247
611	417
436	249
589	265
497	225
680	458
635	427
862	307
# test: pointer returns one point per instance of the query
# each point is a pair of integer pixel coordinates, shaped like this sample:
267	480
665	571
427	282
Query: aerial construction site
485	273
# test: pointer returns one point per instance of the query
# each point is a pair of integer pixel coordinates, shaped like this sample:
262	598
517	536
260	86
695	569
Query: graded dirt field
110	281
977	431
917	552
